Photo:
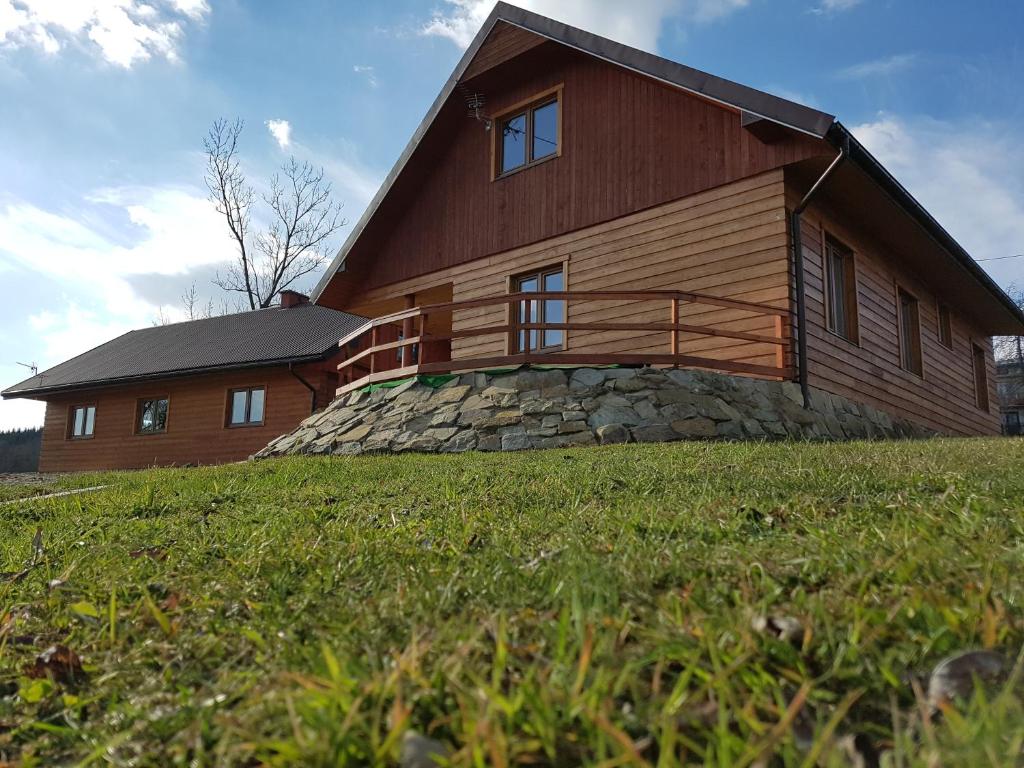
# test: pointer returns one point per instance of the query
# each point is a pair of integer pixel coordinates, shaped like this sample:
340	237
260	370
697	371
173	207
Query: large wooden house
670	217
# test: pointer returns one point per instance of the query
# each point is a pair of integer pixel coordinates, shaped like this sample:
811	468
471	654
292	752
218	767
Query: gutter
798	265
307	385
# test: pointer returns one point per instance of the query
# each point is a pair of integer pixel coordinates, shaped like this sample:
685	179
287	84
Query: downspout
307	385
798	264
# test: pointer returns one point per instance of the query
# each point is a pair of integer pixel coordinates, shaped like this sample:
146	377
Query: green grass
560	608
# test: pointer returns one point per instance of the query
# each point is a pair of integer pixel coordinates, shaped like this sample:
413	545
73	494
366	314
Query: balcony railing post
424	344
513	307
373	355
675	331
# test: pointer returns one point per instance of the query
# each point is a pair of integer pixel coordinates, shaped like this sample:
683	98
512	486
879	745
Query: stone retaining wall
536	408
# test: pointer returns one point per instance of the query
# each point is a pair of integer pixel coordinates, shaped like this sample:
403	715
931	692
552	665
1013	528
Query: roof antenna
475	102
32	367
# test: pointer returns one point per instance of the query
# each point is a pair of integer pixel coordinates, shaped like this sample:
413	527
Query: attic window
529	133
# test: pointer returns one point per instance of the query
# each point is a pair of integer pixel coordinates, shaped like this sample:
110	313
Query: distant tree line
19	450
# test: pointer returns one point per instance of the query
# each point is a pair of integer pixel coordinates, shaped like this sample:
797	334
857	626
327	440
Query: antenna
32	367
475	102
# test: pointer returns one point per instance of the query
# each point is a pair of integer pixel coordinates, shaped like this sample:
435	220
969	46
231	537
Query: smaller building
202	392
1010	387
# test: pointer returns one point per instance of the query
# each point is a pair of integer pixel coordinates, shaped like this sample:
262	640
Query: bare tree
1011	348
301	212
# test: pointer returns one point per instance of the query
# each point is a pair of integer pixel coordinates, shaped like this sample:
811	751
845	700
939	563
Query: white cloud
367	71
281	130
878	67
969	175
85	257
835	6
121	31
637	24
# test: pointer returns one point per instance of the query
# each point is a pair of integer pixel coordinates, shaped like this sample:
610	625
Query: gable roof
274	336
756	104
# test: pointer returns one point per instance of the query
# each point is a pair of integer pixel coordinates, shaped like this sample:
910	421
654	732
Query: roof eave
878	172
13	394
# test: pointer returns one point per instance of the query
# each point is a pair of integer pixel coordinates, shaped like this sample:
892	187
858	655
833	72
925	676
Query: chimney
291	299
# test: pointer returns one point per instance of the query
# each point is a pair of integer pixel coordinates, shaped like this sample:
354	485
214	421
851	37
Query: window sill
154	433
247	424
80	437
853	342
522	168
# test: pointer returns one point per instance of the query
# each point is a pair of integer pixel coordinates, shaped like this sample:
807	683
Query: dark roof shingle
246	339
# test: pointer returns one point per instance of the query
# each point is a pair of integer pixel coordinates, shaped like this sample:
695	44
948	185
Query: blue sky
104	221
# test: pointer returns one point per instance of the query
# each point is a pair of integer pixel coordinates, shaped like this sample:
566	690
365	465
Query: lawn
588	606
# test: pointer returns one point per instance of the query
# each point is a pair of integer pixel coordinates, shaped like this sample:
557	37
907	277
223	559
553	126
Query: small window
246	407
910	333
980	377
152	416
549	311
528	136
83	421
841	290
945	327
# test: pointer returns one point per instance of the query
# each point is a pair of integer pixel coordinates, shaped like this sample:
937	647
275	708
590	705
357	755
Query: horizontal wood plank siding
726	242
870	371
196	430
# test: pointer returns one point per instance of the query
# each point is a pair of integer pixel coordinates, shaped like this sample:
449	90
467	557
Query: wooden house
668	217
201	392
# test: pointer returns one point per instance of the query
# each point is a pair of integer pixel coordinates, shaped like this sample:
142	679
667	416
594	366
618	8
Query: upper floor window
152	416
840	290
945	326
547	311
83	421
528	134
246	407
909	318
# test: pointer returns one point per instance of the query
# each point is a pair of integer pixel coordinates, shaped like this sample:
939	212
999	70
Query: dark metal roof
756	103
302	333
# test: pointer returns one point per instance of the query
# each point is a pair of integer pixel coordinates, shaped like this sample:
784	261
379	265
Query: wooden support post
675	331
781	349
424	345
513	322
405	353
373	343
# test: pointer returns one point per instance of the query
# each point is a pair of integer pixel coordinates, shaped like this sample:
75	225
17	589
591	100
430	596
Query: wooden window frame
944	327
248	389
981	398
852	293
511	286
527	107
900	289
70	432
137	426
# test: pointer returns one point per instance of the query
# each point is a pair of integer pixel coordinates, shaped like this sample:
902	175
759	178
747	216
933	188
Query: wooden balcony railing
398	345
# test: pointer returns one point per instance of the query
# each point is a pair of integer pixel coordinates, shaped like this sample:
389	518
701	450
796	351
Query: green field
590	606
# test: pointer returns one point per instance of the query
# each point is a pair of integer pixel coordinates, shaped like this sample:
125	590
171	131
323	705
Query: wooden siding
505	42
630	143
870	371
196	423
727	242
